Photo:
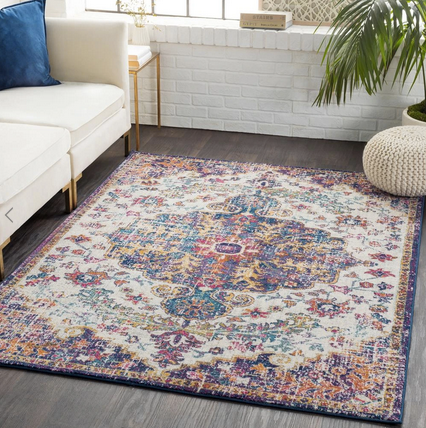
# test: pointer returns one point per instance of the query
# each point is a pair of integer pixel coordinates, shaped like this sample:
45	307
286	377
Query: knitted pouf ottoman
395	160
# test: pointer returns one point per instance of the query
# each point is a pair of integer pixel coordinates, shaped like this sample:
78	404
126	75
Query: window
221	9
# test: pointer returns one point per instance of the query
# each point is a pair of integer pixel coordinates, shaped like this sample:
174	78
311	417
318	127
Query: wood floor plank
32	400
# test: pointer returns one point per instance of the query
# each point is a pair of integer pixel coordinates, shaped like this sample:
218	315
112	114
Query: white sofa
50	135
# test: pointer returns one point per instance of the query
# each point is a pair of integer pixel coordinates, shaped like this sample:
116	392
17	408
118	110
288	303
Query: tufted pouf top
395	160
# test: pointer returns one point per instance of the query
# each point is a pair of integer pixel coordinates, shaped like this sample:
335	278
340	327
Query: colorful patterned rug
273	285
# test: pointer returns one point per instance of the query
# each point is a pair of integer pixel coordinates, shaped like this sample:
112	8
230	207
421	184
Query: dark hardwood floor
33	399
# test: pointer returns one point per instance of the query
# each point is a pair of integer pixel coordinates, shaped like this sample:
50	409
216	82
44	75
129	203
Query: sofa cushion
24	57
27	151
78	107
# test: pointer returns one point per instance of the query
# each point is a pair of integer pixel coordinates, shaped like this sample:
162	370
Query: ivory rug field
273	285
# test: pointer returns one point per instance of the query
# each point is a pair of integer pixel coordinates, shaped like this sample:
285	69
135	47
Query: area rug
272	285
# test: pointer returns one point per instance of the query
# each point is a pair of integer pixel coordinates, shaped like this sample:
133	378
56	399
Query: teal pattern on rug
273	285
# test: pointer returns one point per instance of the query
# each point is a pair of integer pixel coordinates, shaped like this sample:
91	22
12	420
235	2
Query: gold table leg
1	259
158	93
135	84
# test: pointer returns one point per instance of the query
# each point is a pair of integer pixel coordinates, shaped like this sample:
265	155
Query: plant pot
409	121
141	36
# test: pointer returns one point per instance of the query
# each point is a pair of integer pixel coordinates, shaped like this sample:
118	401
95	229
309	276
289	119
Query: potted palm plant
366	36
138	11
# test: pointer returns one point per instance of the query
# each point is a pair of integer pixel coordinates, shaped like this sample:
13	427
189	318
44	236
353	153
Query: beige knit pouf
395	160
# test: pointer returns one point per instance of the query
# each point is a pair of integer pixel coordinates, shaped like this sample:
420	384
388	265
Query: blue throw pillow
23	52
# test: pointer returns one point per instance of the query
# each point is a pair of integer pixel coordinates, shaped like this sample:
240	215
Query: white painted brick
166	109
208	51
172	34
366	135
259	67
240	127
232	37
308	108
361	124
294	42
319	45
386	124
307	42
276	94
270	39
244	37
191	111
228	90
258	38
167	61
208	124
292	69
344	110
175	74
267	129
325	122
176	122
241	103
192	63
208	36
379	113
175	49
220	36
304	132
175	98
147	119
277	82
159	34
272	105
383	100
238	53
317	71
207	101
341	134
192	87
282	40
196	35
307	82
208	76
277	56
307	58
222	113
257	116
184	35
242	79
291	119
224	64
166	85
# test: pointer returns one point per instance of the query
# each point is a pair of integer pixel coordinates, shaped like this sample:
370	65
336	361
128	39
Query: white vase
141	36
409	121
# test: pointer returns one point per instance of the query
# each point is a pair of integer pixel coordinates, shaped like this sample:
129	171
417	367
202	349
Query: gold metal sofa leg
1	259
68	197
74	191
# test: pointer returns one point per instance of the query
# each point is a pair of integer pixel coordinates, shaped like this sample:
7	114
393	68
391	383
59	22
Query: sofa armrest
93	51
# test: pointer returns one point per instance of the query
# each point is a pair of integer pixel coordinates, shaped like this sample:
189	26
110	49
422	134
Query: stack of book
266	20
138	55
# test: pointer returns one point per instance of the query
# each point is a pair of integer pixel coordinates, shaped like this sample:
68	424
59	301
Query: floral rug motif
273	285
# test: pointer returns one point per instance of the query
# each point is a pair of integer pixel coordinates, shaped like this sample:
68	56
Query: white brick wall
257	82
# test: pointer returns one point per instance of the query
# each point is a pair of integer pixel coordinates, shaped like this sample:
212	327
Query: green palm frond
365	37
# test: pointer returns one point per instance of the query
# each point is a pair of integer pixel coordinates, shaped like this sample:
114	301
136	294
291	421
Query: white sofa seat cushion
78	107
26	152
